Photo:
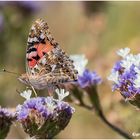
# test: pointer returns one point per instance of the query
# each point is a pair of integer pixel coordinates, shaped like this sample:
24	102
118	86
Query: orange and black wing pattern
45	55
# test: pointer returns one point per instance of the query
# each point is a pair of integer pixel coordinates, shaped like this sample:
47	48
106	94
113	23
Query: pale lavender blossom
44	117
125	74
26	6
88	79
6	119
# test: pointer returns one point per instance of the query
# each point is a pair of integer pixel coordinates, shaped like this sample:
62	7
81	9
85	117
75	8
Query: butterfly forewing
45	58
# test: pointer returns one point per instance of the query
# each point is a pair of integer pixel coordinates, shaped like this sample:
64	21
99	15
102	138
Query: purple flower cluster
6	118
4	112
38	104
31	6
88	79
47	114
44	106
126	74
27	6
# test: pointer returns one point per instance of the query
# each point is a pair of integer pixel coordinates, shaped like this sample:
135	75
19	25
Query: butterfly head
24	79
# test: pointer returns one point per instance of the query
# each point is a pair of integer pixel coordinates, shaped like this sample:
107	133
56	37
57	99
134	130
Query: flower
80	61
114	76
88	79
126	75
61	94
26	6
123	52
31	6
26	94
44	117
6	118
2	3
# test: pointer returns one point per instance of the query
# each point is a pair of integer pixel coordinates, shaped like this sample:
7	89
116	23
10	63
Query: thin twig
115	128
86	106
103	118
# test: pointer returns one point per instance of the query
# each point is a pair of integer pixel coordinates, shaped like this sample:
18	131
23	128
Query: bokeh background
96	29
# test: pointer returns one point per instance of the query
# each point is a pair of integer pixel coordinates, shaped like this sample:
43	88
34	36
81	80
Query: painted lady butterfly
47	65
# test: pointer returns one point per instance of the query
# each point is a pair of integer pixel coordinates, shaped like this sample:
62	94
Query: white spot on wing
43	61
30	40
35	39
53	67
33	28
36	67
42	36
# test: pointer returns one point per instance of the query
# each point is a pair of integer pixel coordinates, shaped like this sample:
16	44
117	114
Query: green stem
94	98
115	128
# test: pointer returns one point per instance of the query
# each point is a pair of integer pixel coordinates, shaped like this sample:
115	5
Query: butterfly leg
34	91
18	91
50	91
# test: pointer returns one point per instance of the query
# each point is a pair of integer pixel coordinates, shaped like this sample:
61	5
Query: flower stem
94	98
115	128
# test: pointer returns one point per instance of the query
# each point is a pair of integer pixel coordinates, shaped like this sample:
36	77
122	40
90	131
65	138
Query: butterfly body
44	81
47	64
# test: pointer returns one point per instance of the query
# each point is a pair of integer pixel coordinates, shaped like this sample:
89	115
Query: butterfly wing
38	43
44	55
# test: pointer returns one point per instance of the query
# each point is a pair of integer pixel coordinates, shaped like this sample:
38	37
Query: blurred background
96	29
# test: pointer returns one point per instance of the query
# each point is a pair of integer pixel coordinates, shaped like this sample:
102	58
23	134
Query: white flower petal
137	82
26	94
50	104
137	70
61	94
126	64
80	61
123	52
18	108
114	76
128	61
137	60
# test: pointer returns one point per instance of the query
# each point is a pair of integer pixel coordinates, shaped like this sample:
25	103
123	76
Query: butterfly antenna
18	91
4	70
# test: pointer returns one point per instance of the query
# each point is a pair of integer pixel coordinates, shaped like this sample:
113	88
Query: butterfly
47	65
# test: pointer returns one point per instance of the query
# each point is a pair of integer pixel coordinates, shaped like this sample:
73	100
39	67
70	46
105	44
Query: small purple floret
39	104
5	112
30	5
88	79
